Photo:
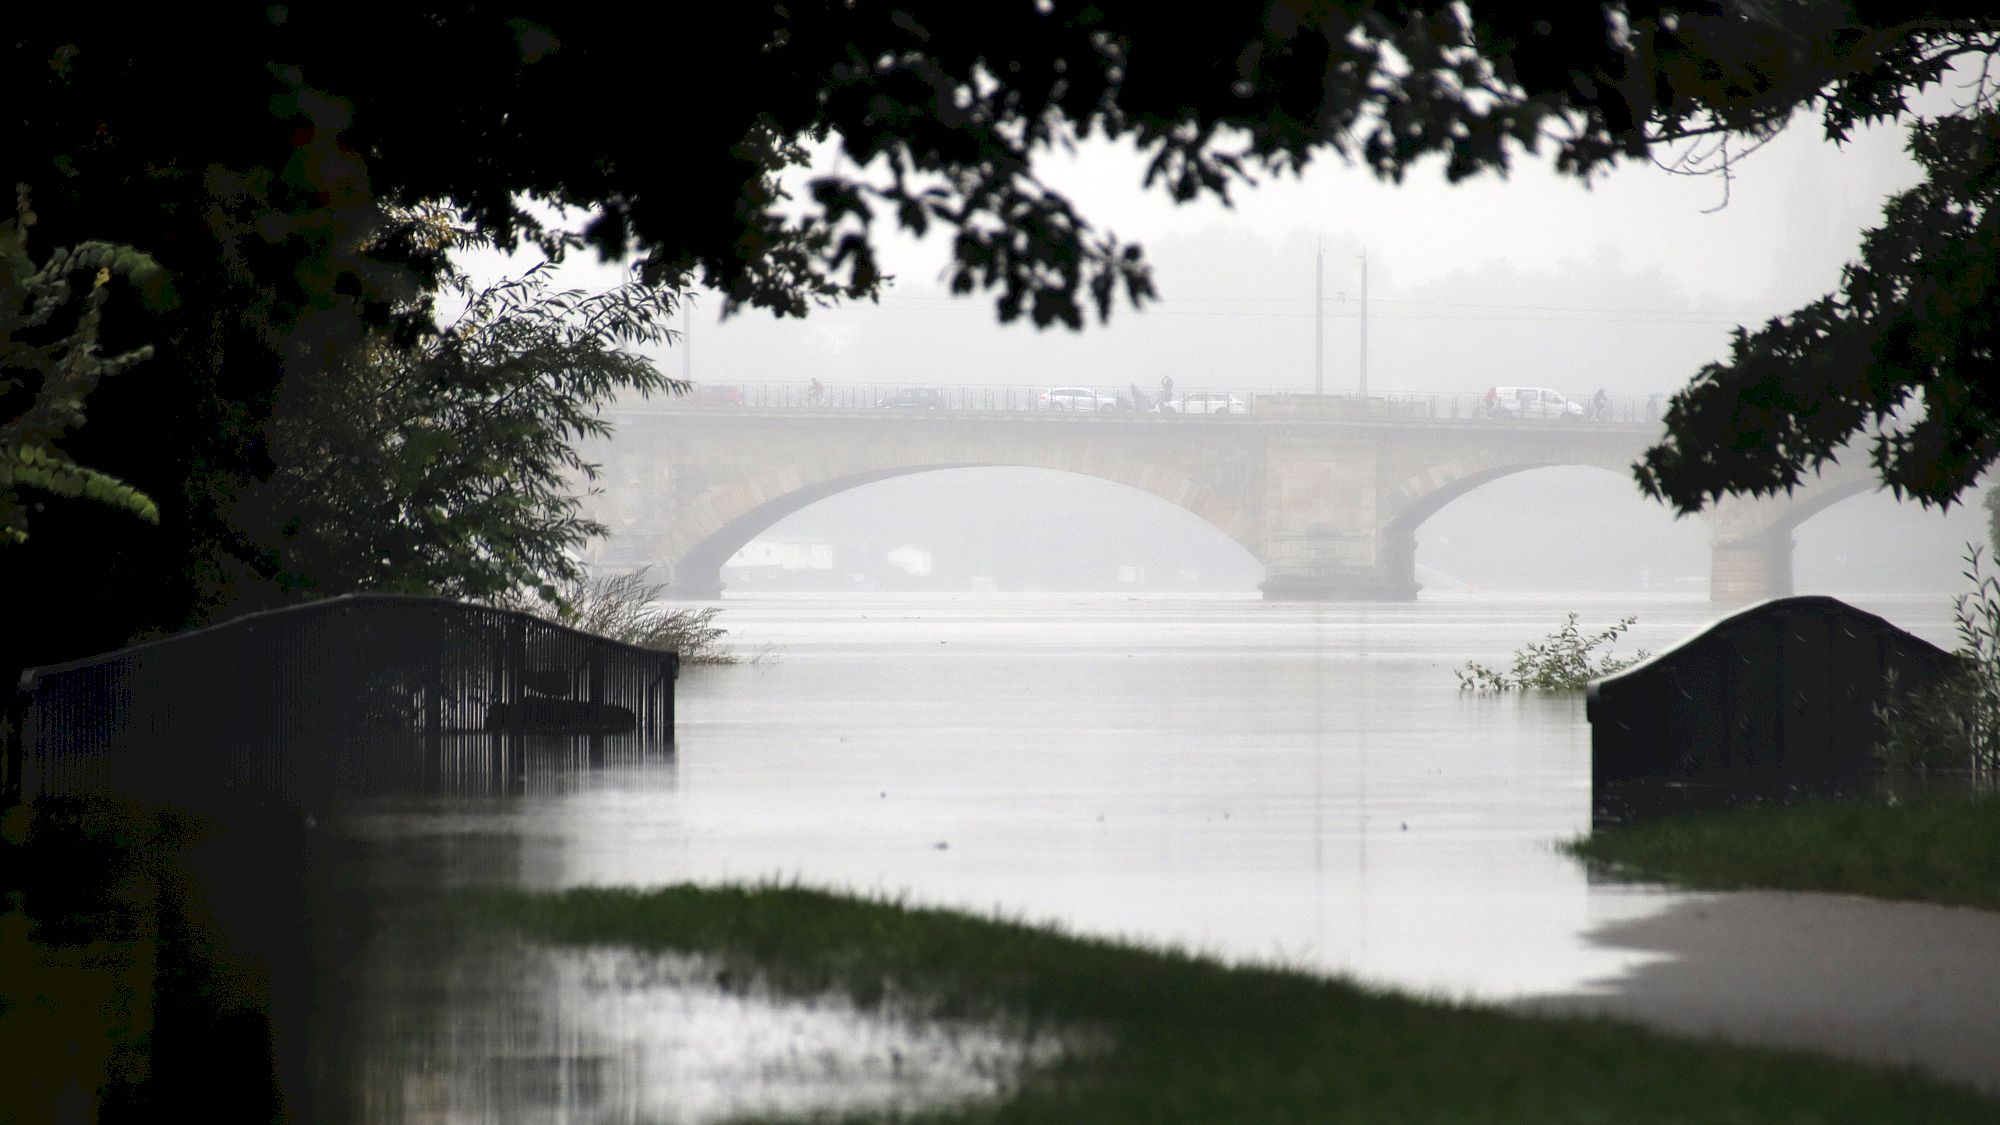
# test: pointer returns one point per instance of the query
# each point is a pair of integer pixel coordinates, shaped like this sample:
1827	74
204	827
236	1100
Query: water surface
1298	783
1286	783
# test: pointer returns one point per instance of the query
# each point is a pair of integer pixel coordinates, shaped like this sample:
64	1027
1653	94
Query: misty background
1628	284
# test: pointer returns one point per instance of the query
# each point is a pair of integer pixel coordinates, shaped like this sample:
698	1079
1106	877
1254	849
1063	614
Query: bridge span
1326	493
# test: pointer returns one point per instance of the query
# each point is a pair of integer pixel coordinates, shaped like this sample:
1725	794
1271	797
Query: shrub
625	607
1953	724
1562	662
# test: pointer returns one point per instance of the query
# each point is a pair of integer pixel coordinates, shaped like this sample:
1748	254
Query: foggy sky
1629	283
1624	283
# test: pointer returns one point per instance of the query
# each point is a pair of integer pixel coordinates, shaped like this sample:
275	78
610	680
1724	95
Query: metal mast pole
1364	324
687	343
1319	319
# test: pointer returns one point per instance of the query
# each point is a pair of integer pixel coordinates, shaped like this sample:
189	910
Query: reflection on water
1300	783
426	1015
532	1034
1297	783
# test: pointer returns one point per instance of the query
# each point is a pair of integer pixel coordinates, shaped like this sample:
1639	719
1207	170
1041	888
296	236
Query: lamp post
1364	326
1319	319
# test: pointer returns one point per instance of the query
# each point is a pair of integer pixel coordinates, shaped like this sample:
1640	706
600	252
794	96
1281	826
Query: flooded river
1291	783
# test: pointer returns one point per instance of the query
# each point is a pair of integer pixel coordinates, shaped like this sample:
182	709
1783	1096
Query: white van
1530	402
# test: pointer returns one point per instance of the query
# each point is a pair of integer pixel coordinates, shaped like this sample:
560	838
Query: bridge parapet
1130	399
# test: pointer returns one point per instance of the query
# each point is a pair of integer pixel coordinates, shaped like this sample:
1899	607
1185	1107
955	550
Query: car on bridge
1530	402
1205	402
913	398
1076	398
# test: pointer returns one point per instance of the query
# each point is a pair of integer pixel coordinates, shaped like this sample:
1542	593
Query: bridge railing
965	397
344	695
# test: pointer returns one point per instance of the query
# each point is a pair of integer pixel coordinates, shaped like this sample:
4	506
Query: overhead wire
1167	307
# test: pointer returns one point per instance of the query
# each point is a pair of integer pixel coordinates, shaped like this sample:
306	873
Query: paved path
1894	982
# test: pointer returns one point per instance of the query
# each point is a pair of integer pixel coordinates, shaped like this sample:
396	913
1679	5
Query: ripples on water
1293	783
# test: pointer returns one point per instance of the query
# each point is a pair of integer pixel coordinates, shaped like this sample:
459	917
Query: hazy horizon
1629	284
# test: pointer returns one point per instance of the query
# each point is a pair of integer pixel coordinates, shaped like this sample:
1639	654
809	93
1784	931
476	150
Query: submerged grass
1943	851
1176	1038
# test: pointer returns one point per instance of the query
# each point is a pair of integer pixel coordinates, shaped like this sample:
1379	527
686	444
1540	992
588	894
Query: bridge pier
1750	569
695	585
1343	568
1336	586
1750	545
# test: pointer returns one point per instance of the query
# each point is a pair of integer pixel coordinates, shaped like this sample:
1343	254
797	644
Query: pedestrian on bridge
1166	389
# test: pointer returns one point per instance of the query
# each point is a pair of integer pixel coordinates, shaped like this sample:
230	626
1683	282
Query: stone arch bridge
1329	500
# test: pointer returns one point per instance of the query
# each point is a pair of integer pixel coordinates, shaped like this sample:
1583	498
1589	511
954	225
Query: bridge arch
738	509
1327	499
1407	519
1419	478
1400	531
1750	556
1872	543
1807	505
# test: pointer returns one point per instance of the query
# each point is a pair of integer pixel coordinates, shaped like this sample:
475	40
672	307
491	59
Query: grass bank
1943	851
1182	1039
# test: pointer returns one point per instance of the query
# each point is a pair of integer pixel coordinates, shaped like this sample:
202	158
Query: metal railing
1766	705
355	694
959	398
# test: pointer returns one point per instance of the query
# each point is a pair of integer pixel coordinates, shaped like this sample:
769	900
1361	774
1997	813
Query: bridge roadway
1326	492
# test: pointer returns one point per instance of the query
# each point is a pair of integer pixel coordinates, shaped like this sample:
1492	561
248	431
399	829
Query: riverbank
1171	1037
1863	931
1944	851
116	1007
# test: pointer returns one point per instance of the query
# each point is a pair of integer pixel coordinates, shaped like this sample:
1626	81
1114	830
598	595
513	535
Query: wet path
1899	983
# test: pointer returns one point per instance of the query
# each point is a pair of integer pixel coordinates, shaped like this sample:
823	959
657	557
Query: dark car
914	398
